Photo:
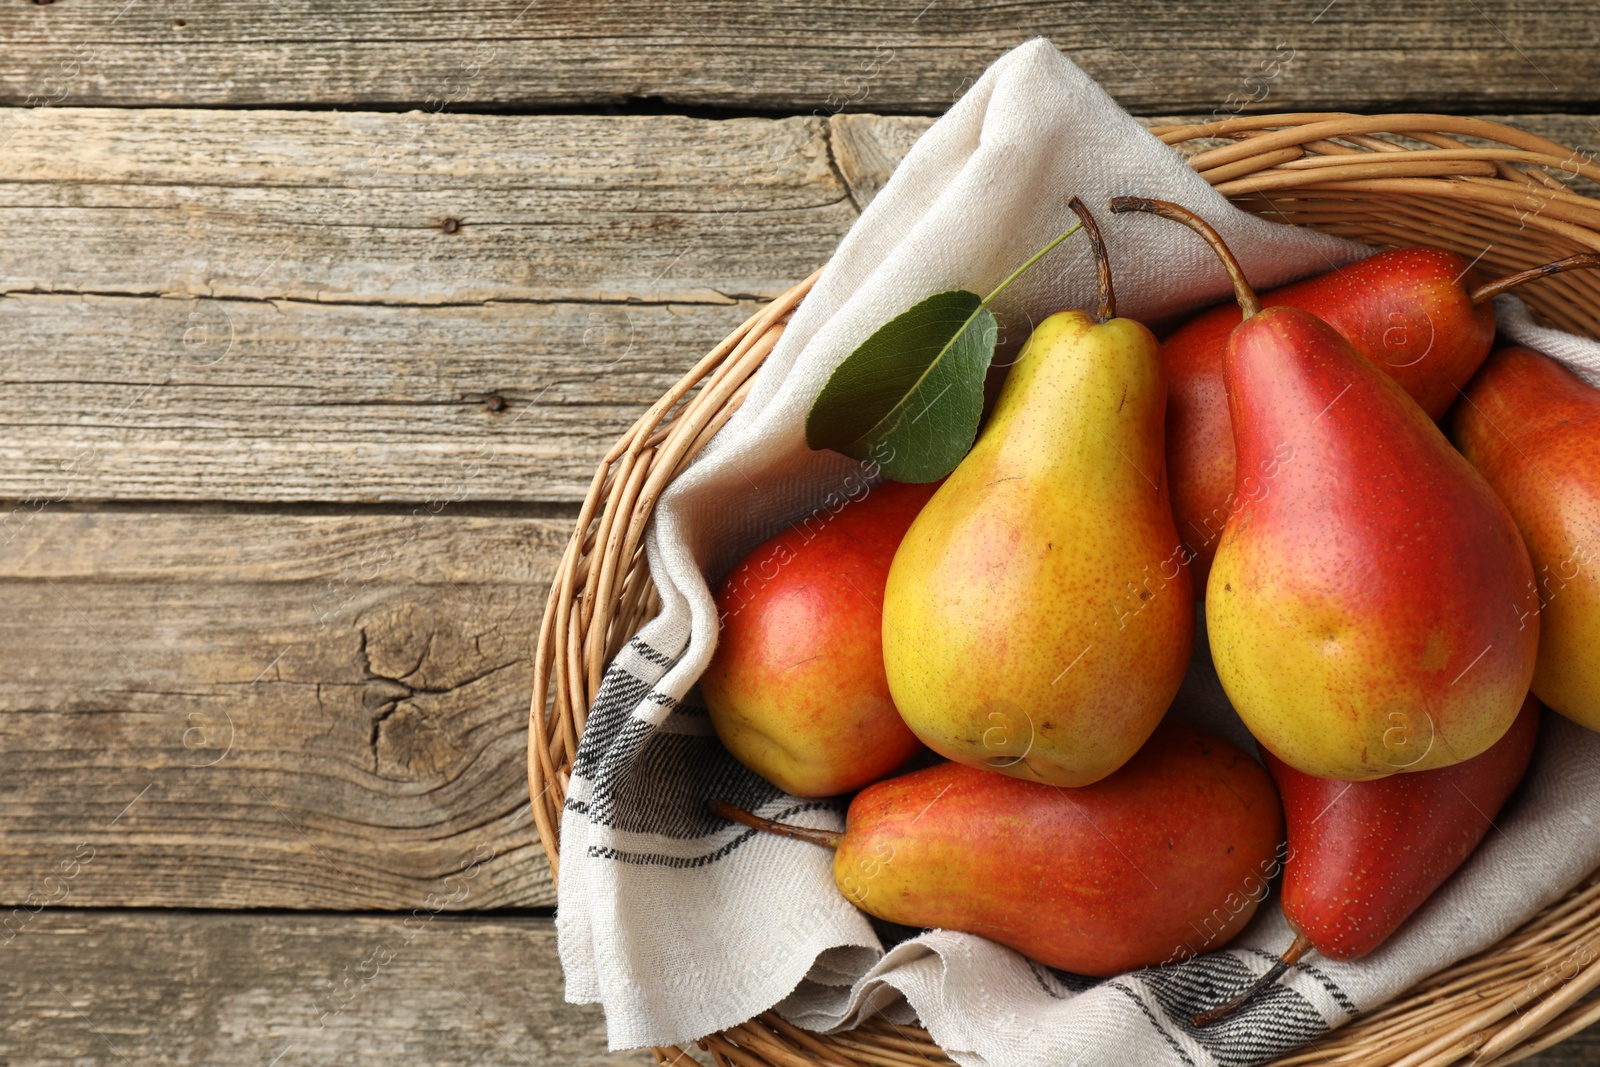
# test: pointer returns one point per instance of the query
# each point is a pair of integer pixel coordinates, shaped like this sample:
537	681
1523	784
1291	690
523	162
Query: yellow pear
1039	613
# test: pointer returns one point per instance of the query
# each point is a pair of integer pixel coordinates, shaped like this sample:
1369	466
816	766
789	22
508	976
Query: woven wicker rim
1484	190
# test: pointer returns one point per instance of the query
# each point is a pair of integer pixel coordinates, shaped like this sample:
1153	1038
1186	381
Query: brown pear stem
1490	290
1302	945
825	838
1249	303
1108	296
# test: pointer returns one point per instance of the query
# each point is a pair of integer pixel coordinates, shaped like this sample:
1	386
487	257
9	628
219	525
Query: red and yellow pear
796	689
1367	609
1363	856
1533	428
1166	857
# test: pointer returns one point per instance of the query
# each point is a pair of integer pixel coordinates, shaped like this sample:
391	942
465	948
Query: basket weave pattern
1389	180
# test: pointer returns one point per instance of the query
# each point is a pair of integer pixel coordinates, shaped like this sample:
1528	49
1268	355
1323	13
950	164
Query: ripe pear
1367	610
1533	429
1364	855
1038	617
1367	606
796	689
1167	857
1411	311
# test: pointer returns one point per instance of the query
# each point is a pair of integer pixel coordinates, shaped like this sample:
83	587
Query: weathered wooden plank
329	340
225	990
903	55
140	398
415	208
290	990
867	148
269	711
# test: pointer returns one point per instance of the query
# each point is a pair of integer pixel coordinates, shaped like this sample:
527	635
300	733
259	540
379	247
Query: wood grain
238	990
245	400
246	711
414	208
903	55
319	337
1580	1050
867	148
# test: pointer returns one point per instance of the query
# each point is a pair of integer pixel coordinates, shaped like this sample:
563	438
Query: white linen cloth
680	924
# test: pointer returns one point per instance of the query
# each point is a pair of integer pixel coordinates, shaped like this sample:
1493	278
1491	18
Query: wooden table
317	318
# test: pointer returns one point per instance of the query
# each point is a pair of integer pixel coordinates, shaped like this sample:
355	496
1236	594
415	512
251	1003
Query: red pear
1408	310
1167	856
796	689
1533	429
1364	855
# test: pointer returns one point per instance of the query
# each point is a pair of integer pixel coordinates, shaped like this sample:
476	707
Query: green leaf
910	396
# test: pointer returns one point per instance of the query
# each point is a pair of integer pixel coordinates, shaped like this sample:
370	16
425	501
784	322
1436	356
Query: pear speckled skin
1166	857
1533	429
1364	855
1368	607
795	689
1407	310
1038	618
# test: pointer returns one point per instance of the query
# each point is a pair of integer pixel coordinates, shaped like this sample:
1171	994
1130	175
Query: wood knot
450	225
495	403
409	744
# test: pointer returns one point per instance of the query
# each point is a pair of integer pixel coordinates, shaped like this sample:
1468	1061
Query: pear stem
1249	303
825	838
1108	297
1490	290
1302	945
1037	256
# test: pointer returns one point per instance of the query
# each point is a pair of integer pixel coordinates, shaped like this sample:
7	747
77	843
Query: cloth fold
680	925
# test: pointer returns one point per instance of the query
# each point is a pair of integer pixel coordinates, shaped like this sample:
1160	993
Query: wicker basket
1486	191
